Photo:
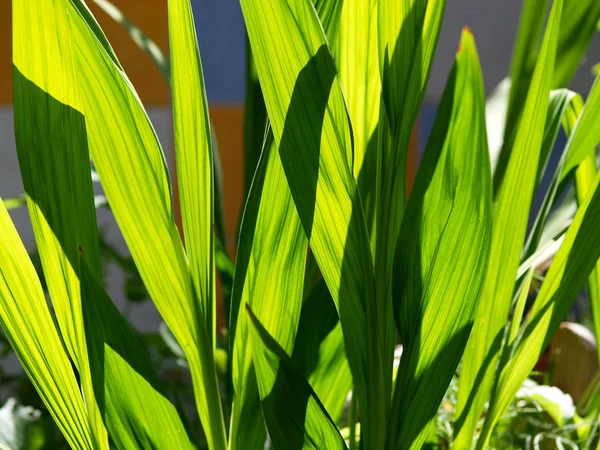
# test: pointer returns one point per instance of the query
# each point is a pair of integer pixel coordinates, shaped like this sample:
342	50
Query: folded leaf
132	400
295	416
320	351
310	125
268	277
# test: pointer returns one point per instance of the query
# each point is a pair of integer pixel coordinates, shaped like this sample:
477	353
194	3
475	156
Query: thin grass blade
510	225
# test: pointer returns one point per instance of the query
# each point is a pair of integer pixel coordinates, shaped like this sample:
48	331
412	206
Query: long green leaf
310	125
566	277
294	414
132	400
268	272
584	181
562	103
28	325
268	277
448	224
408	32
359	74
131	166
510	225
586	135
576	33
193	149
54	160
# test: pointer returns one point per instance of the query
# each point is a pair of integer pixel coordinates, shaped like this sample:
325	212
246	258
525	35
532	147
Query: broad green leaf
269	277
294	414
408	32
310	125
566	277
269	272
329	13
132	400
448	223
320	352
358	67
131	166
54	160
28	325
193	149
359	74
511	214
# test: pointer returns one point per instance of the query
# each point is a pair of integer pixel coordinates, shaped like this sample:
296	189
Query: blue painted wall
221	36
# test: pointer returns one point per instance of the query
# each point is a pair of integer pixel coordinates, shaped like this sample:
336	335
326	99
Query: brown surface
149	15
228	122
5	52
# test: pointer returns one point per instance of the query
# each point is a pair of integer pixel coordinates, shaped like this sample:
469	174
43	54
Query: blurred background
221	36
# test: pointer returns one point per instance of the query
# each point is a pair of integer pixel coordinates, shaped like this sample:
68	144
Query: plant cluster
337	262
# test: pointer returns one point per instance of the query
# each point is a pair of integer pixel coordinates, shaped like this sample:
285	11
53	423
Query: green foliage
334	259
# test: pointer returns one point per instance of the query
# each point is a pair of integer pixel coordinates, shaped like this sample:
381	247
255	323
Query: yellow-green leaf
131	397
442	252
294	414
310	126
28	325
510	225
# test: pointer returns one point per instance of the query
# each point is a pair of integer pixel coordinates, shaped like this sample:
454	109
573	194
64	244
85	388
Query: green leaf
294	414
578	28
193	149
53	156
408	32
358	67
511	214
320	351
268	277
566	277
359	74
586	134
584	181
132	400
562	104
310	126
28	325
131	166
448	223
267	269
575	36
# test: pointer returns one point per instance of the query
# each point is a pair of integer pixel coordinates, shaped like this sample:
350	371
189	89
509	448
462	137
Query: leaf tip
466	36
